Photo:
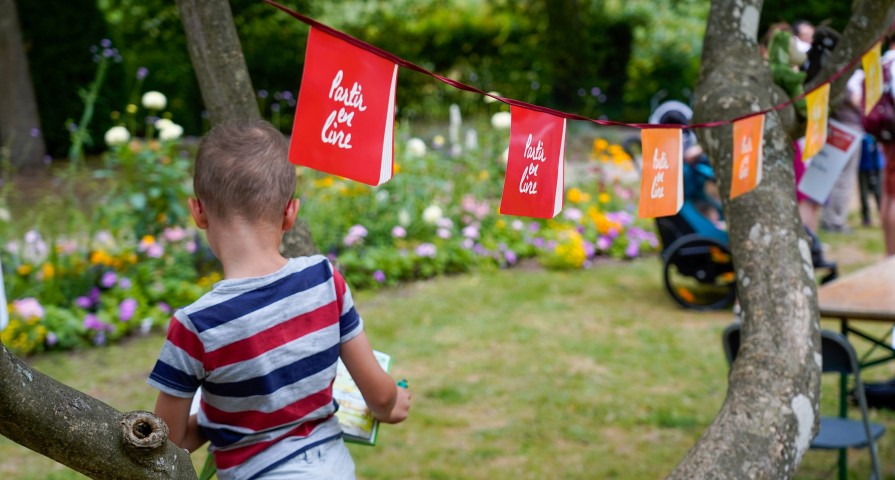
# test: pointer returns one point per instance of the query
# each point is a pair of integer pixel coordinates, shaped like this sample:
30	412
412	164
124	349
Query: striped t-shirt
264	351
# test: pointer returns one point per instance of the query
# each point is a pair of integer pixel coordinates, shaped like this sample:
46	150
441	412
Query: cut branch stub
143	430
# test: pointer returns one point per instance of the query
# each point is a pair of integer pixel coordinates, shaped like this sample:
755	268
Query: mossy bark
82	432
770	414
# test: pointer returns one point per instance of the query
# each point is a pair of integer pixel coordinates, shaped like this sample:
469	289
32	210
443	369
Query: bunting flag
662	181
873	77
533	185
818	108
344	125
824	169
747	154
4	314
344	119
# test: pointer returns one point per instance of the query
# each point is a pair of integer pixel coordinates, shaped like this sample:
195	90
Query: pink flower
426	250
399	232
156	250
174	234
28	308
108	280
379	276
91	322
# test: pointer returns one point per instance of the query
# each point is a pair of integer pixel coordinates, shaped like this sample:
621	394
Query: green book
355	418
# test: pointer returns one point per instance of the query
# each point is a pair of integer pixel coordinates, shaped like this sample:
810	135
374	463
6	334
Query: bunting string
571	116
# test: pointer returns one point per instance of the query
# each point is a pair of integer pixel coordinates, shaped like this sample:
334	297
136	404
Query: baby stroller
697	266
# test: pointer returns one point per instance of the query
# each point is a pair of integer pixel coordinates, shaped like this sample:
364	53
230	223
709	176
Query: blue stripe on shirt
348	322
174	378
277	379
254	300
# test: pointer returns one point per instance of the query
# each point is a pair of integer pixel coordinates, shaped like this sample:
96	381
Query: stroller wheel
699	273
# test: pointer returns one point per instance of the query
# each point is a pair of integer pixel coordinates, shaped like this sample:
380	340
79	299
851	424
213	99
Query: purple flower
443	233
533	227
632	250
126	309
379	276
99	339
538	242
589	250
142	72
164	307
603	243
124	283
471	231
145	326
479	249
262	93
91	322
572	214
155	250
84	302
108	279
426	250
174	234
105	43
35	132
51	339
510	257
467	243
399	232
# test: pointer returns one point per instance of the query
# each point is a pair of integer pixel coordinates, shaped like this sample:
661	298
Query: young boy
263	344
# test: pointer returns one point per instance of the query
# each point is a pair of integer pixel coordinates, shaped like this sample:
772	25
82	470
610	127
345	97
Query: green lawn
517	374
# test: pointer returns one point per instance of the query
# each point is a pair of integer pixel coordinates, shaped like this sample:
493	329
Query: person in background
868	176
887	207
834	217
803	31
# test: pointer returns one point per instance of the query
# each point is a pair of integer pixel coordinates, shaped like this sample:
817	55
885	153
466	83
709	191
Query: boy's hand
402	406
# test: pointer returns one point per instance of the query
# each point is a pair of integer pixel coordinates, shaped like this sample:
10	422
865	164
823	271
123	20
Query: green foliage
58	36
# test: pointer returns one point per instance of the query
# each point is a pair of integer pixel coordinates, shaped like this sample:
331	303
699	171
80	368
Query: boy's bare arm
183	428
389	403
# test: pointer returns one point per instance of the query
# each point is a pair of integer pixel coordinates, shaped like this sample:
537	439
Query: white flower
117	136
171	132
504	157
163	123
403	218
491	99
432	214
154	100
416	147
4	215
501	120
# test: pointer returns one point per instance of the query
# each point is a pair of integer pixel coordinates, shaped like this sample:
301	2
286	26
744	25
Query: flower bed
140	257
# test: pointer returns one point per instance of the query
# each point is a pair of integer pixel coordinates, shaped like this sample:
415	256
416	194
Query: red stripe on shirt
276	336
184	339
232	458
257	420
340	289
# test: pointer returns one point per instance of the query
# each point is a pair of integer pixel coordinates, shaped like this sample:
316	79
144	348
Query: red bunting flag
533	186
662	182
747	154
344	120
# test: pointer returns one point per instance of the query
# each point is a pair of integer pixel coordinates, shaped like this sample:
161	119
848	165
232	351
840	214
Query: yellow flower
24	269
501	224
161	218
99	257
600	144
573	195
324	182
131	108
48	271
397	167
483	175
603	198
147	240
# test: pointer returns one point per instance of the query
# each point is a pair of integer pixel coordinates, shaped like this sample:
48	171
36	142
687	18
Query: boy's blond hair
242	169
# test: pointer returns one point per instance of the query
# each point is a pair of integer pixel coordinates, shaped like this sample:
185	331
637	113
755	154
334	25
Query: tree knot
143	430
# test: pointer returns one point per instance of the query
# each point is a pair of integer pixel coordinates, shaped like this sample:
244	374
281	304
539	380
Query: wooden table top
867	294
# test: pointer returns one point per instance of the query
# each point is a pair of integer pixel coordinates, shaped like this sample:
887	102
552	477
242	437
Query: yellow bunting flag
818	109
662	183
873	77
747	157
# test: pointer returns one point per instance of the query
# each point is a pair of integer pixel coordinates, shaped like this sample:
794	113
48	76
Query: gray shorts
331	461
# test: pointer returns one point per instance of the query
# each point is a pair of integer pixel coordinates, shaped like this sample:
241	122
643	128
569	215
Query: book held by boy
357	421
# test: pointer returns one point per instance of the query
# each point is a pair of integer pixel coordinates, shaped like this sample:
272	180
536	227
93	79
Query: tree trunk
770	414
217	58
225	83
19	122
82	432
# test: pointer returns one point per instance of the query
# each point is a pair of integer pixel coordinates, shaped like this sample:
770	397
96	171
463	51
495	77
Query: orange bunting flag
344	120
533	186
873	77
747	154
662	183
818	109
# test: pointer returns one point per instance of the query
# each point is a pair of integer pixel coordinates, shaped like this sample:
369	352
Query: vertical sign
344	120
873	77
747	154
816	133
533	186
661	186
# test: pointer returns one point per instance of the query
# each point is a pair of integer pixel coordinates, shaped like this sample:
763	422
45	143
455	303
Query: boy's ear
198	213
290	213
